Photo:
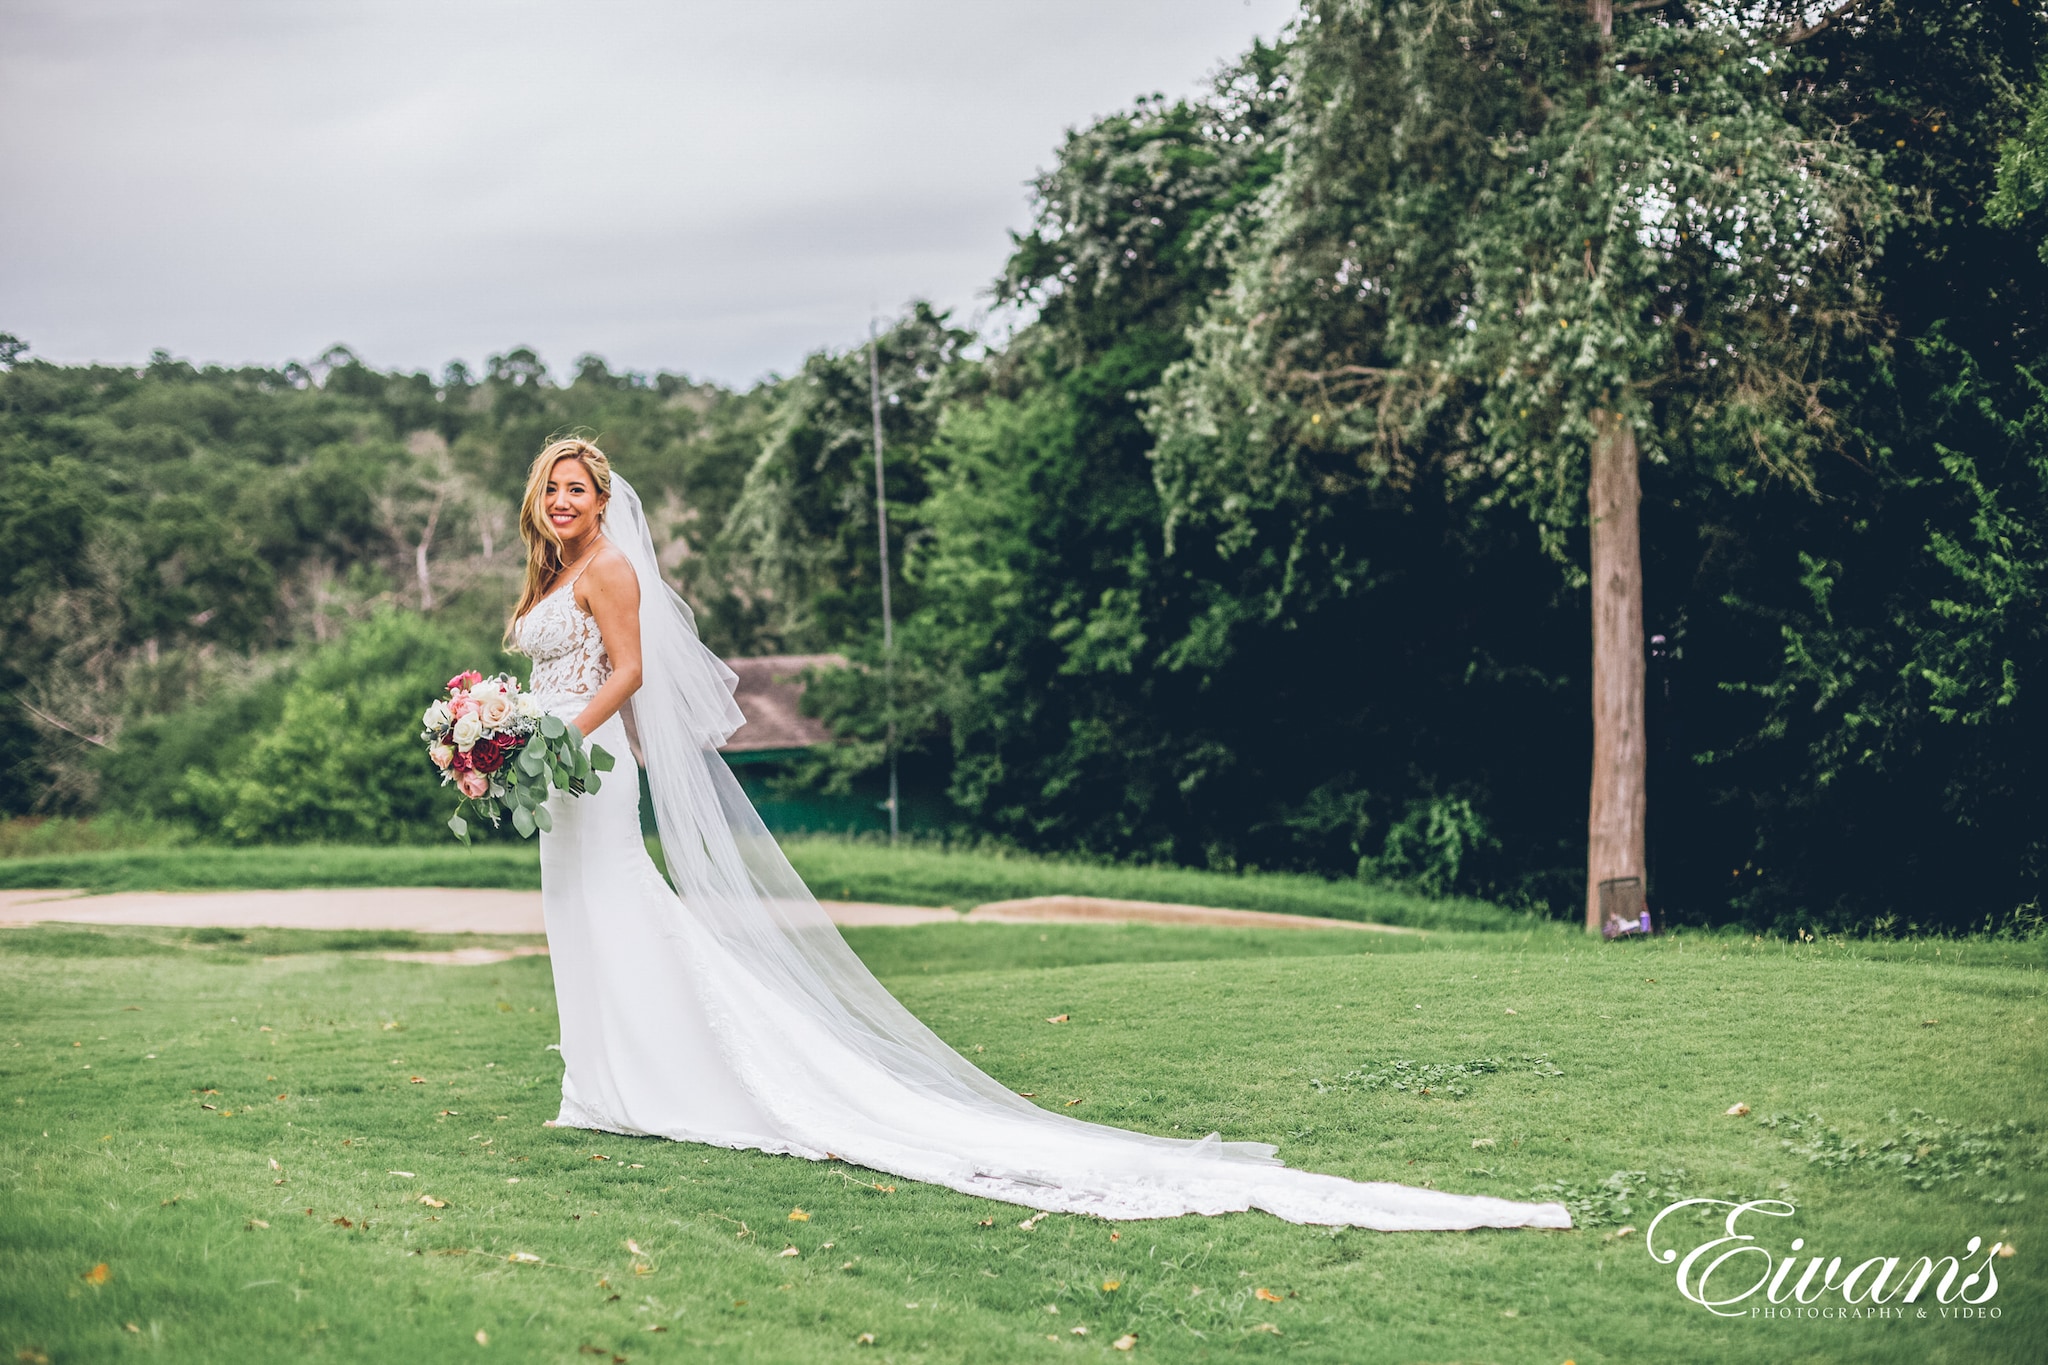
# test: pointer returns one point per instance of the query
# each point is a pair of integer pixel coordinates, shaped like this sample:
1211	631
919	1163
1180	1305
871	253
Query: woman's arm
610	591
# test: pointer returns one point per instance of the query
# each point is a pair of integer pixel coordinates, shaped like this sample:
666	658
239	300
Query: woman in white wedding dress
729	1010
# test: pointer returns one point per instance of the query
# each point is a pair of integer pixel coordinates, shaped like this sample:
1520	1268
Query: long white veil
734	879
815	1019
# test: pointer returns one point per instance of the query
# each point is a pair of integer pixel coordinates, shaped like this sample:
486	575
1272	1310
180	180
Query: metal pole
882	535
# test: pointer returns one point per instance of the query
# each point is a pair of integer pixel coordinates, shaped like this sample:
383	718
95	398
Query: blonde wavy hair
544	560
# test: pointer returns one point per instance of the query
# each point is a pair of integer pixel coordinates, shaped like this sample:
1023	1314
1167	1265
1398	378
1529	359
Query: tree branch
1801	32
46	718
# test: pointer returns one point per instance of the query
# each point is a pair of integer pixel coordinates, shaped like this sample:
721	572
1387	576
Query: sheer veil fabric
730	1011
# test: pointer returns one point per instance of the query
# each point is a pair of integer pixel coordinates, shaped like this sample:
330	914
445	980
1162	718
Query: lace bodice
563	641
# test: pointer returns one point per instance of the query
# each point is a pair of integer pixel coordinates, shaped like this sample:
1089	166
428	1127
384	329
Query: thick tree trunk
1617	812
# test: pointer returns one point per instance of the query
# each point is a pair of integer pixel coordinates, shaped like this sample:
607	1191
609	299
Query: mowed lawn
285	1145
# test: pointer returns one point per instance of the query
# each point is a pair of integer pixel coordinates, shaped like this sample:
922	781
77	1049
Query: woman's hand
610	591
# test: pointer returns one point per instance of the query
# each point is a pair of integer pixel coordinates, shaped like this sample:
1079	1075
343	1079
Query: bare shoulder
610	579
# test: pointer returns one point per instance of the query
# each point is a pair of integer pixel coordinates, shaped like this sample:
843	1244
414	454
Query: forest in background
1232	556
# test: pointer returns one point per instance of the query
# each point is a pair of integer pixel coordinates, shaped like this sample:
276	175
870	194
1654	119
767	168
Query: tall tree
1539	252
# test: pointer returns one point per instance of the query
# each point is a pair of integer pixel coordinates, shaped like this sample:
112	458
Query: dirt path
442	910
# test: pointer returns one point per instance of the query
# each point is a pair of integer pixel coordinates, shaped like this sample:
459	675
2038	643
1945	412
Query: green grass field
836	869
232	1127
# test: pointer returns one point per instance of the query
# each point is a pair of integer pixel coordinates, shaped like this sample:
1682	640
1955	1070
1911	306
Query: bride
729	1011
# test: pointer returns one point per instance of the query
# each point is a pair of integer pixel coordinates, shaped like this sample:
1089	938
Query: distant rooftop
770	693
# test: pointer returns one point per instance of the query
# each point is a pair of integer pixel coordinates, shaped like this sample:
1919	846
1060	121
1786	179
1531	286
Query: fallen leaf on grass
1031	1222
654	1327
129	1326
799	1216
255	1223
1510	1012
432	1202
523	1258
2005	1248
1080	1331
483	1338
1266	1296
1269	1327
1929	1023
1126	1341
406	1174
1111	1286
209	1106
789	1251
1059	1019
986	1223
419	1080
29	1355
864	1339
1072	1103
99	1274
1735	1110
447	1113
1028	1094
634	1247
599	1156
1481	1142
343	1223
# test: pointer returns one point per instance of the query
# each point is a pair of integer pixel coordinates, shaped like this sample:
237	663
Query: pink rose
462	705
442	754
473	784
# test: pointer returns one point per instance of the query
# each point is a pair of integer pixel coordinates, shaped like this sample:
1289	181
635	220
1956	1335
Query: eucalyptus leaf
522	820
543	819
601	760
460	827
552	727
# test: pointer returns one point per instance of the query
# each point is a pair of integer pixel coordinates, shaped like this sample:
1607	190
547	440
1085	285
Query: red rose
489	754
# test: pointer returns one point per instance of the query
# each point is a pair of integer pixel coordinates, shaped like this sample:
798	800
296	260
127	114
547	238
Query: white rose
436	717
468	731
494	711
486	687
528	707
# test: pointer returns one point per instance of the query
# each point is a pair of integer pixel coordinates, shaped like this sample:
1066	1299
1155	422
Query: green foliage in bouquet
555	757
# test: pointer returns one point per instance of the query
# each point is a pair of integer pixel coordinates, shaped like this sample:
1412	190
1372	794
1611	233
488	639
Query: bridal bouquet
501	751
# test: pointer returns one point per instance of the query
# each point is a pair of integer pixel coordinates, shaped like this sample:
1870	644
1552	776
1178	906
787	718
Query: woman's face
572	504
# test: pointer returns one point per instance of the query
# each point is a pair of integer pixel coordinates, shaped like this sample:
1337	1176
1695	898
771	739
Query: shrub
342	759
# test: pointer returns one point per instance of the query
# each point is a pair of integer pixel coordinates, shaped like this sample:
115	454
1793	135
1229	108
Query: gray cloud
714	188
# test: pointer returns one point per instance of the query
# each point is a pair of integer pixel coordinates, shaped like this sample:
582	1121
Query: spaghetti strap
571	581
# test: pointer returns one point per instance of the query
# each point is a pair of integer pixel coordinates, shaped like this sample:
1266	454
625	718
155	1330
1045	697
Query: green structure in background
777	737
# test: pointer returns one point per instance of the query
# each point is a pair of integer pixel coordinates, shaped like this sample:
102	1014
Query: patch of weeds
1926	1151
1444	1079
1621	1197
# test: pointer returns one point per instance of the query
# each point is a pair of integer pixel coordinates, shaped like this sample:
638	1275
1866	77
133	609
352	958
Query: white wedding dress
734	1014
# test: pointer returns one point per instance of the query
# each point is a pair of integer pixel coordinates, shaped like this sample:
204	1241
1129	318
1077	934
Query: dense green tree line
1263	541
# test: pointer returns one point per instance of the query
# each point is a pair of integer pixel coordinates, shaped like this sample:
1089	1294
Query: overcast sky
715	188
